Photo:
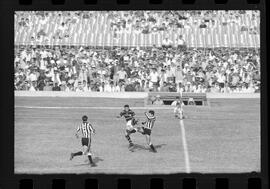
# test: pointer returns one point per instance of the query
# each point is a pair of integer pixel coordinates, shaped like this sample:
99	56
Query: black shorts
121	80
146	131
155	84
131	131
221	85
85	141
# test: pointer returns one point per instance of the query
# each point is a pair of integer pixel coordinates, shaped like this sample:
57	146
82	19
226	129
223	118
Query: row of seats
97	30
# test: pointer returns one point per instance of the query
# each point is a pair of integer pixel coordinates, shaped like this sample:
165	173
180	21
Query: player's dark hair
152	112
84	118
126	106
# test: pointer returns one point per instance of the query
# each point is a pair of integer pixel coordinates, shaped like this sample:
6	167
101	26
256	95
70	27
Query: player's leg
139	129
134	123
181	116
89	154
72	155
79	153
148	140
127	135
129	131
176	113
85	149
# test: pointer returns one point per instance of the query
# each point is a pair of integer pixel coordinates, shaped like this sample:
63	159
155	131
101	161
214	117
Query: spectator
170	74
122	75
158	101
48	86
85	86
63	86
166	43
177	100
154	79
41	81
181	44
56	87
191	102
178	76
32	86
221	80
164	87
160	72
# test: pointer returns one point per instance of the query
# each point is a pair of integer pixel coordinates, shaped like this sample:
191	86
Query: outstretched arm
148	116
120	115
92	129
77	131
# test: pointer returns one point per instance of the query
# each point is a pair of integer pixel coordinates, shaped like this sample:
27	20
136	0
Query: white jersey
86	129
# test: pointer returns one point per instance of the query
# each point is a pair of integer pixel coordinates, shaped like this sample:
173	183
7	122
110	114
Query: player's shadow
97	159
159	146
86	162
142	147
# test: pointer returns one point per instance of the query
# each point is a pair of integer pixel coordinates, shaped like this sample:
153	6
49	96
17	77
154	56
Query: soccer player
177	99
128	114
147	128
178	110
86	129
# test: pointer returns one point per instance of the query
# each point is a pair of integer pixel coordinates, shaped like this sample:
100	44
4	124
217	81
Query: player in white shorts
178	110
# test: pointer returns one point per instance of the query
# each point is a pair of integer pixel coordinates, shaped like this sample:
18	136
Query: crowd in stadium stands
24	20
154	21
165	69
127	21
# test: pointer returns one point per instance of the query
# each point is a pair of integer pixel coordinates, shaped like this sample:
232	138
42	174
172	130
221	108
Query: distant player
128	114
147	127
178	110
177	99
86	129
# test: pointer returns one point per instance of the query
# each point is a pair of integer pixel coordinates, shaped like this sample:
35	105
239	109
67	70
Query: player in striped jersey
128	114
147	128
86	129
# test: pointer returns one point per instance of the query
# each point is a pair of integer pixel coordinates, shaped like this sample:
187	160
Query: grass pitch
222	137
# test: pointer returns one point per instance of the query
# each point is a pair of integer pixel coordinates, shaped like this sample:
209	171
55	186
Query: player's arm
148	116
77	131
91	128
182	105
120	115
132	113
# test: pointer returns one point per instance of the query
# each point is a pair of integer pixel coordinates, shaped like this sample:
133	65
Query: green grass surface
223	137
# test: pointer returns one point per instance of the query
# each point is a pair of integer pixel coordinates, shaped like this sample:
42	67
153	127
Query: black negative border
7	177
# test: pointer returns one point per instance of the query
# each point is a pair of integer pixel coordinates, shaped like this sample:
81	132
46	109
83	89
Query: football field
221	137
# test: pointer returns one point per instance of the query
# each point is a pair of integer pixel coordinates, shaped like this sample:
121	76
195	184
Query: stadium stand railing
169	97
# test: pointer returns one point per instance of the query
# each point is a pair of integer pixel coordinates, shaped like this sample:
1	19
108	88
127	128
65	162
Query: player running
147	128
87	129
131	121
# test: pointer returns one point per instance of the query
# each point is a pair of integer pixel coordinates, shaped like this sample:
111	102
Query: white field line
97	107
184	141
